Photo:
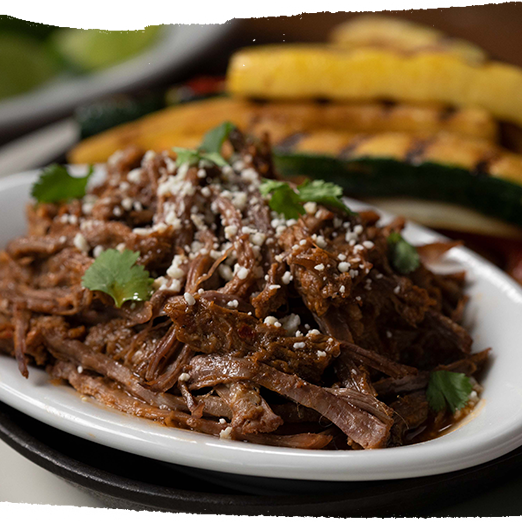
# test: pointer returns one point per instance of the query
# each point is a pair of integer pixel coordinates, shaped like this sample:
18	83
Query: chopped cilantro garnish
448	390
193	157
403	256
284	199
289	202
214	139
323	192
56	184
209	150
116	274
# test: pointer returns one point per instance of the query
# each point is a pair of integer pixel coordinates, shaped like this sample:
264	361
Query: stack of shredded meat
294	333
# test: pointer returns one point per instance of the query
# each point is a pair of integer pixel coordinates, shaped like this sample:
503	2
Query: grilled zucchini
402	35
309	71
445	168
185	124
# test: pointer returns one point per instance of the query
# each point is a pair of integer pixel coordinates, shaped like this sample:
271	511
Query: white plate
493	430
177	47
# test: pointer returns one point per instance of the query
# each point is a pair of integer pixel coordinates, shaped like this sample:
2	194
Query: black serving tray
123	480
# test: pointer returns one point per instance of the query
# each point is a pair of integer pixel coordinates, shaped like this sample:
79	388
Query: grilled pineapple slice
310	71
401	35
184	125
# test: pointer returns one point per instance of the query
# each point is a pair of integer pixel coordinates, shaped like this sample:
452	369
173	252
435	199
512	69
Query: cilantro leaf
403	256
209	150
448	389
284	200
189	156
289	202
323	192
214	139
116	274
214	157
56	184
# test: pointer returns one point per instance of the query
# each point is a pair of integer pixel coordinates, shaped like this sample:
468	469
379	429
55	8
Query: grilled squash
309	71
184	125
401	35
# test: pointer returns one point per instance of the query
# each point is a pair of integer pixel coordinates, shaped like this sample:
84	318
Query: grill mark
387	108
290	142
416	150
347	151
447	113
482	167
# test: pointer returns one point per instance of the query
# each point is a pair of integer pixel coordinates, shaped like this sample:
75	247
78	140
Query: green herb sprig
210	148
403	256
448	390
56	184
116	274
289	201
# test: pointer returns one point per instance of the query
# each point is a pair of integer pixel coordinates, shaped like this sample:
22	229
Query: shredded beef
286	332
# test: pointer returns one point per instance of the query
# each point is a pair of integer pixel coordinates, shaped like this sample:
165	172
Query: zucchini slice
371	176
402	35
311	71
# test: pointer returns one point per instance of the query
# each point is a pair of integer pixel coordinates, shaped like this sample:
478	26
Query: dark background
495	27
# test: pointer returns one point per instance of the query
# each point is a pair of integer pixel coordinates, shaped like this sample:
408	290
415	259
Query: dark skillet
162	492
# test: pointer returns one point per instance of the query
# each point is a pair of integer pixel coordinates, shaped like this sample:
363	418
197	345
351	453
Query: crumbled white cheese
272	321
258	238
225	272
242	272
189	298
80	242
226	433
230	231
343	266
321	242
287	278
184	377
310	207
127	203
134	176
291	323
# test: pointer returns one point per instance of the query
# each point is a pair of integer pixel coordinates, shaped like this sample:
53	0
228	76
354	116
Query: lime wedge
25	63
91	49
38	18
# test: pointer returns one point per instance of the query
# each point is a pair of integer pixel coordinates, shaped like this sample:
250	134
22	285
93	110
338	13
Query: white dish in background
494	429
179	46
